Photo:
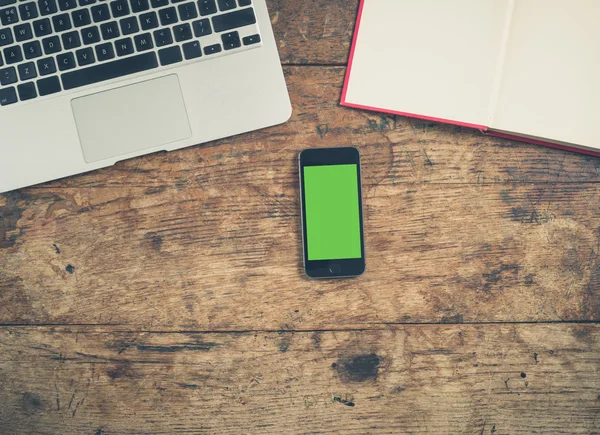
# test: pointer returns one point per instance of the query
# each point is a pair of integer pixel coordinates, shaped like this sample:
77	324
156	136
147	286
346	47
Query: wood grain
227	256
478	379
313	32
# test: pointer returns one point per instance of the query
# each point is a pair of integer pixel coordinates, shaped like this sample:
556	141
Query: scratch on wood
176	348
72	397
188	386
77	406
428	161
57	396
322	129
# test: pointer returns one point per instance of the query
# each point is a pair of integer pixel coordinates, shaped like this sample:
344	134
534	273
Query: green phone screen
332	212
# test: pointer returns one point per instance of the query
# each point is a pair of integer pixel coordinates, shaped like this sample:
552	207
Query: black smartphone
332	216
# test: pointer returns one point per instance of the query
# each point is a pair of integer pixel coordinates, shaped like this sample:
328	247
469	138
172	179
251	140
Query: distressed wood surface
313	32
168	291
475	379
227	257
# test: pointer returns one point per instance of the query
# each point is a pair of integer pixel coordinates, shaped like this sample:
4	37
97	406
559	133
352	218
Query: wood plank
483	379
313	31
228	256
395	150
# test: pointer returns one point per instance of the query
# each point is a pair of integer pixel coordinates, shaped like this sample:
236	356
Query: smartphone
332	216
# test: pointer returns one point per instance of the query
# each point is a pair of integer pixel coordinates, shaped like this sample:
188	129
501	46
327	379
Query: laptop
87	83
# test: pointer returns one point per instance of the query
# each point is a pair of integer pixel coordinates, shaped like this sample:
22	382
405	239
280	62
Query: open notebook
522	69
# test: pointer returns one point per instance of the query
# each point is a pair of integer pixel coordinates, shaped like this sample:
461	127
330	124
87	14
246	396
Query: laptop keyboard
49	46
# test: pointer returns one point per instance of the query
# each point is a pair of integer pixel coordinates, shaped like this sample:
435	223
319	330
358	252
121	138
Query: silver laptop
87	83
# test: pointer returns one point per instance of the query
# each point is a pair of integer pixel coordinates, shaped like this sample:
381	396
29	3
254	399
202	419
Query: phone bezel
335	268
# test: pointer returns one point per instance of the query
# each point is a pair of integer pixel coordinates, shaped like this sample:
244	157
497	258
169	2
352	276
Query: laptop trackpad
132	118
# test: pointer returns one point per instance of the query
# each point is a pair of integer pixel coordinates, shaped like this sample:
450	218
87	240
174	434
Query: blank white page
437	58
551	80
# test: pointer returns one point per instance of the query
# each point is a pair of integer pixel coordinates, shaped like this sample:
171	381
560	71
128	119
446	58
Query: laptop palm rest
131	118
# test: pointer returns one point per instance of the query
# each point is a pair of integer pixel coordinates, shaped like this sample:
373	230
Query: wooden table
166	294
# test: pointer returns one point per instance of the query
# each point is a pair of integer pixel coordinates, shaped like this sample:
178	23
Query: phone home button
335	268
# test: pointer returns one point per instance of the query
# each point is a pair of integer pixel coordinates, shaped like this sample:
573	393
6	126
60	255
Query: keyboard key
139	5
245	2
32	49
1	61
51	45
13	55
170	55
65	61
65	5
163	37
183	32
27	71
90	35
207	7
226	5
5	37
231	40
42	27
168	16
124	47
149	21
159	3
233	20
7	2
129	25
202	27
8	96
100	13
61	22
81	17
47	7
249	40
187	11
86	2
27	91
71	40
212	49
119	8
8	76
9	16
28	11
110	70
46	66
105	52
49	85
192	50
110	30
23	32
85	56
143	42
